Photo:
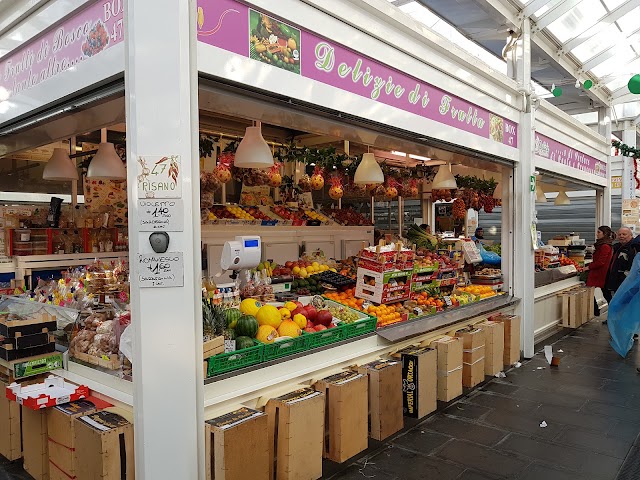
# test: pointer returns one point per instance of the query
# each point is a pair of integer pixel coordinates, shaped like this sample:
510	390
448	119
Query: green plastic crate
227	362
283	348
360	327
324	337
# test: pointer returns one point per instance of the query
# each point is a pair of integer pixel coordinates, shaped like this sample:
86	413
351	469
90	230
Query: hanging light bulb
562	199
253	151
577	83
368	171
60	167
444	179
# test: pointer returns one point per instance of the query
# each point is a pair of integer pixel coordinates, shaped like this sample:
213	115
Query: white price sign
159	176
165	215
157	270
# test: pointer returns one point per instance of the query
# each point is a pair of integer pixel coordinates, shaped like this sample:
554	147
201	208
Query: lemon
285	313
296	270
289	328
269	315
303	273
300	320
266	334
290	306
250	306
315	265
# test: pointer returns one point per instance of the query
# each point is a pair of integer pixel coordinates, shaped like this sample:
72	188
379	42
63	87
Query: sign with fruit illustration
274	42
159	176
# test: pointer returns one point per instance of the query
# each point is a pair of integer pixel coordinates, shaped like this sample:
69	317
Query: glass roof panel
623	75
629	22
577	20
596	44
613	64
611	4
420	13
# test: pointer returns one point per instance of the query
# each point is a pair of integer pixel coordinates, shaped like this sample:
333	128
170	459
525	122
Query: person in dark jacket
601	260
623	254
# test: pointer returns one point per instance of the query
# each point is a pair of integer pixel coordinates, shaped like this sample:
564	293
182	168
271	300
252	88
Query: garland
627	151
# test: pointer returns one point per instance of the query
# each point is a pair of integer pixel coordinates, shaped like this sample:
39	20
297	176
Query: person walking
623	253
623	311
601	260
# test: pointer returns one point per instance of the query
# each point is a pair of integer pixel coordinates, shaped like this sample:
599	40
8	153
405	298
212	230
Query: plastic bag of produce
623	319
490	258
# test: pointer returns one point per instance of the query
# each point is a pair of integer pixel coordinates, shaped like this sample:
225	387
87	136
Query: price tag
229	346
161	270
448	301
165	215
366	305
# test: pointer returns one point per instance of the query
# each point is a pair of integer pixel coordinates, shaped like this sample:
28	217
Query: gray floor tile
543	472
594	441
421	440
482	458
526	422
500	402
467	410
408	465
464	430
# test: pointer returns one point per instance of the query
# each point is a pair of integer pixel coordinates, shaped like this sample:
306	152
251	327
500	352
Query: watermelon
244	342
232	315
247	326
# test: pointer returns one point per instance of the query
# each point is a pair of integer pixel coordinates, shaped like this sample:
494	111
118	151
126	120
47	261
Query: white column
603	205
523	203
628	180
162	120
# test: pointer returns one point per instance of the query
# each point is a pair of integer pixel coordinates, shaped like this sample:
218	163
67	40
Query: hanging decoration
631	152
305	183
317	179
336	191
634	84
391	191
275	177
587	84
557	92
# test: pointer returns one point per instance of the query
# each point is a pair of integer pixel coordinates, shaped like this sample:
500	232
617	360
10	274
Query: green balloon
557	92
634	84
587	84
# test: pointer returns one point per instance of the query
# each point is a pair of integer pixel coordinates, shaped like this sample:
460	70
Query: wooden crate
110	362
385	398
213	347
511	337
229	438
449	367
419	381
61	444
104	442
572	308
35	443
346	418
591	294
494	347
10	431
473	354
296	435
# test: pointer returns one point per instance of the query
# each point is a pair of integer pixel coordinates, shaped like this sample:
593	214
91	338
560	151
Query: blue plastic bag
490	258
624	311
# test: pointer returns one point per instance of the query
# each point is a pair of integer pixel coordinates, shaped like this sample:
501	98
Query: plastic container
283	348
227	362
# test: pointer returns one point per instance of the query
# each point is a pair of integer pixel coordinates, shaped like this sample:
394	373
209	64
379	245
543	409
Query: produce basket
325	337
359	327
227	362
283	348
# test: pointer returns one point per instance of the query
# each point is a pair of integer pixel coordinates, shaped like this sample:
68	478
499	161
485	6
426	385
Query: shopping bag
624	311
490	258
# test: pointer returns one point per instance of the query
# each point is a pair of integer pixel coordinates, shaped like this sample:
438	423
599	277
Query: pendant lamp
60	167
368	171
562	199
106	163
540	196
444	179
253	151
497	192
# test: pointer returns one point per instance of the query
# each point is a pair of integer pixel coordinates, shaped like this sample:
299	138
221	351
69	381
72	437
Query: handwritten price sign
159	176
165	215
161	270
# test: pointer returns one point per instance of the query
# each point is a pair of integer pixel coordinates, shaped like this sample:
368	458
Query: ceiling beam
606	54
604	22
555	13
533	6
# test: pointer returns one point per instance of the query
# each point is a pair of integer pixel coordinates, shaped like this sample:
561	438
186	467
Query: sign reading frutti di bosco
557	152
235	27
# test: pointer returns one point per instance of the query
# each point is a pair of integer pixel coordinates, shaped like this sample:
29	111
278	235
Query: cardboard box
229	438
10	432
385	397
296	435
449	350
494	347
386	287
35	443
347	420
38	323
27	341
104	442
511	337
473	353
419	381
8	353
61	441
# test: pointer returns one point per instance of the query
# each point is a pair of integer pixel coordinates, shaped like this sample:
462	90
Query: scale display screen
250	243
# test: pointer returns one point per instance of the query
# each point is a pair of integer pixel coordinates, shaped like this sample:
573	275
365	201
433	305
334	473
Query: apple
300	305
319	328
310	324
300	311
323	317
311	312
288	264
309	329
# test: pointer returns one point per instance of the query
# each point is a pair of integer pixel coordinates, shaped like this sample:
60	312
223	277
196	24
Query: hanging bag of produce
490	258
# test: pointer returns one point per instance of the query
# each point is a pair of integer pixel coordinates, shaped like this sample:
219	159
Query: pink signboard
560	153
235	27
84	35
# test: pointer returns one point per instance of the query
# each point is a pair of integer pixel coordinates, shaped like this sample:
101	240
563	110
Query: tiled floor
589	403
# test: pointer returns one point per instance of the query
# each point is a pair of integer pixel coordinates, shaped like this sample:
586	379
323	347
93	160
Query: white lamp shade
368	171
60	167
107	164
540	196
444	179
497	193
562	199
253	151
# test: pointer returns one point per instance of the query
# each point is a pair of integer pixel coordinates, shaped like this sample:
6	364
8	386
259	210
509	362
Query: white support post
603	205
628	178
522	266
162	120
